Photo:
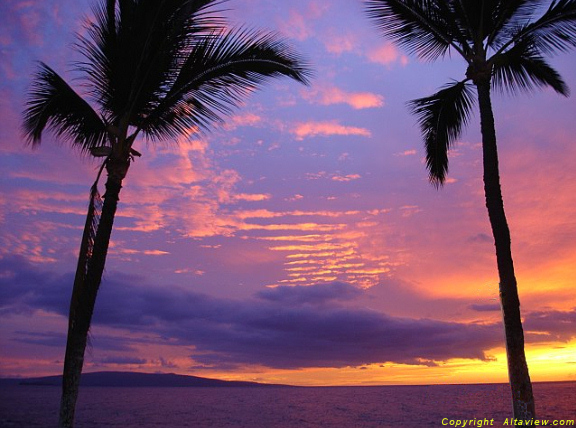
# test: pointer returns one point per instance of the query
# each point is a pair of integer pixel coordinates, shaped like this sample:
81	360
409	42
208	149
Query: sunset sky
301	241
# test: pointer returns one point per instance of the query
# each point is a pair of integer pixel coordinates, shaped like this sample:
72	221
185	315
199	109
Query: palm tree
503	43
151	68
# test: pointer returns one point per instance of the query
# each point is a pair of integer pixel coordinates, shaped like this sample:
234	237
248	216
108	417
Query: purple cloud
284	327
486	307
317	295
122	360
556	325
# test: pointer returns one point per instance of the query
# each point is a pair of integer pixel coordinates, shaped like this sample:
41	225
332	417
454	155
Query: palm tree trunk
86	284
522	397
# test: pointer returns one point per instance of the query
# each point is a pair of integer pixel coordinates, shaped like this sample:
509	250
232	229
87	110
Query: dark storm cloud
283	327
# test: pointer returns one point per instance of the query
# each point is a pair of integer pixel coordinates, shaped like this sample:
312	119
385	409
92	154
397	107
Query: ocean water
342	407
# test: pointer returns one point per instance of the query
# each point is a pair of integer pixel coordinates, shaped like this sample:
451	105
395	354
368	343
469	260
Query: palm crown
155	67
499	39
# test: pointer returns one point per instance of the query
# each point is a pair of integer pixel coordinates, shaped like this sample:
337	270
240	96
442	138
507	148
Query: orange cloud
325	129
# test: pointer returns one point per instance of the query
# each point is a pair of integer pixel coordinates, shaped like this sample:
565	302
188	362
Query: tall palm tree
151	68
503	43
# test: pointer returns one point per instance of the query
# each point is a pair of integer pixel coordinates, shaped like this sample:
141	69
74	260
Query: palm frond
219	71
152	36
92	222
522	69
426	28
86	245
507	15
442	117
554	31
53	104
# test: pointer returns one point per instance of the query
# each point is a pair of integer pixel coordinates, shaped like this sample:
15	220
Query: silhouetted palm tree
504	43
152	68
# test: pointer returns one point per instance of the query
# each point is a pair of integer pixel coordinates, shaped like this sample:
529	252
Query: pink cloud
387	54
334	95
300	24
246	119
338	44
131	251
333	177
325	129
252	197
411	152
348	177
297	27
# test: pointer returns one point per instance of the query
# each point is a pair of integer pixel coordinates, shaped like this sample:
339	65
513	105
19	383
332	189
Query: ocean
278	407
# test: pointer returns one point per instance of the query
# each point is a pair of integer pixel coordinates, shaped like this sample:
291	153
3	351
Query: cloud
340	43
283	327
252	197
411	152
24	287
122	360
552	325
318	295
329	95
244	119
332	176
347	177
387	54
51	339
299	24
131	251
487	307
481	238
325	129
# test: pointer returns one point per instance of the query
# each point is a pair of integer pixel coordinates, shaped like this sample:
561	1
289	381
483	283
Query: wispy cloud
243	119
347	177
299	24
328	95
410	152
338	43
326	129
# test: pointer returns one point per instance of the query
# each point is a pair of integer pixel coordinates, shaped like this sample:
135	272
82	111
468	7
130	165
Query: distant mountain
132	379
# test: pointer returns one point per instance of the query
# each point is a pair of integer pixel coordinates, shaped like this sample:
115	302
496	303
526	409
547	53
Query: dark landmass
132	379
